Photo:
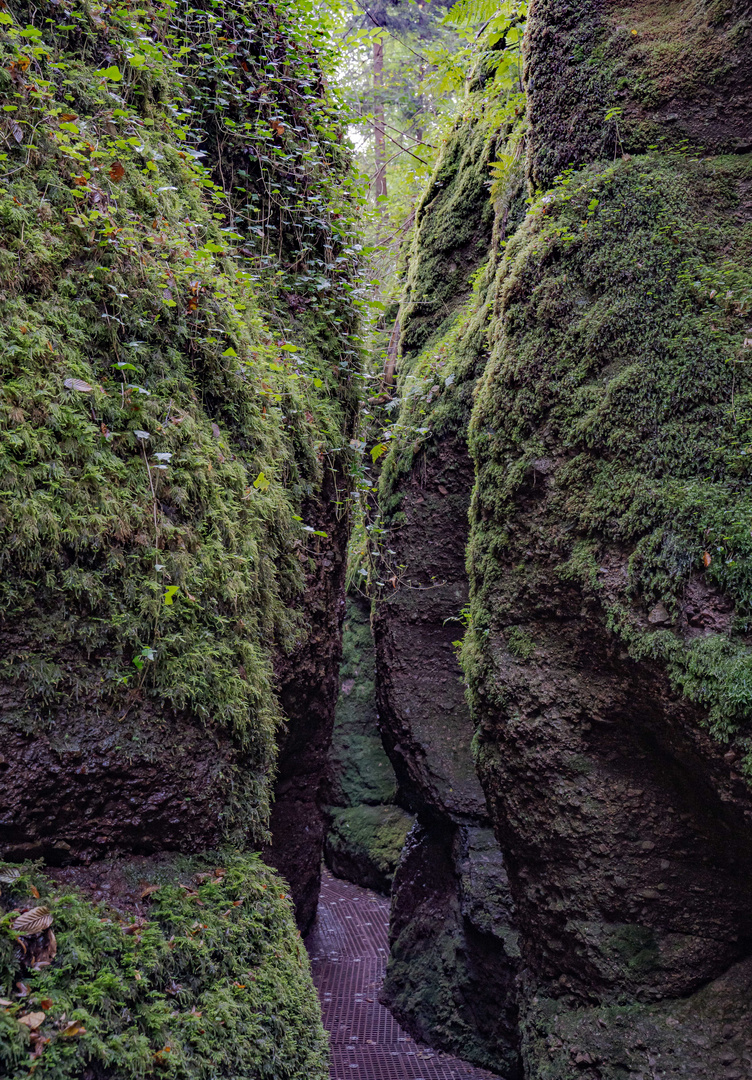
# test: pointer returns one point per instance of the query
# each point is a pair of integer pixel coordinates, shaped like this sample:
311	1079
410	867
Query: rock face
308	694
451	972
605	79
171	556
607	652
165	618
452	964
366	830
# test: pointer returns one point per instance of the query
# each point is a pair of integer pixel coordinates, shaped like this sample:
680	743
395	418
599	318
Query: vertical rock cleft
450	978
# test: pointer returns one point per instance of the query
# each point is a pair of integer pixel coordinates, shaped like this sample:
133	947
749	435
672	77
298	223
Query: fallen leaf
33	921
68	117
75	1027
38	1041
117	171
9	875
215	431
46	1003
707	558
149	890
34	892
5	1003
78	384
32	1020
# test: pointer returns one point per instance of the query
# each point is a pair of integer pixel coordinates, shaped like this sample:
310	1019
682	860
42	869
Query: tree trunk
379	138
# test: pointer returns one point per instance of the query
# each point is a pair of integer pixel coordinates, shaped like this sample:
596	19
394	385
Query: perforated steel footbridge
348	947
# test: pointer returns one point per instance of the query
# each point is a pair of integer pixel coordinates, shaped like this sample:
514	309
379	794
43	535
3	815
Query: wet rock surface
366	830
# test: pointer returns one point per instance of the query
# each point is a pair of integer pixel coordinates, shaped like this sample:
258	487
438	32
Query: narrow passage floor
348	947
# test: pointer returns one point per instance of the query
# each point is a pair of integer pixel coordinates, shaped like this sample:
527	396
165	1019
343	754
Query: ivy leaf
112	73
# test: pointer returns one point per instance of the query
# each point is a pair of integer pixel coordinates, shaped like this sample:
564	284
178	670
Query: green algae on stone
364	843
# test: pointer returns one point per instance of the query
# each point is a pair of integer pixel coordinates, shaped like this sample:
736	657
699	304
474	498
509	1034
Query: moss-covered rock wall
166	966
167	418
606	650
174	397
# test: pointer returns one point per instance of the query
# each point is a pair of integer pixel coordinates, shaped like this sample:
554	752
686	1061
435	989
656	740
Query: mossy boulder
366	830
208	977
364	843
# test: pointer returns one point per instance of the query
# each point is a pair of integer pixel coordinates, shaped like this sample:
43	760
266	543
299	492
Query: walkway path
348	947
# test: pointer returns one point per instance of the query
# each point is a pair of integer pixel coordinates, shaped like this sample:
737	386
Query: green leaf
112	73
261	483
169	595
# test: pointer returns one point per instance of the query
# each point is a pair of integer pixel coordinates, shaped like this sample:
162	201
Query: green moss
371	838
214	982
643	75
519	642
446	304
617	382
150	574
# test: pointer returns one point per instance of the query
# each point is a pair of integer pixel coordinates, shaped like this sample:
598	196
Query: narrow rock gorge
524	714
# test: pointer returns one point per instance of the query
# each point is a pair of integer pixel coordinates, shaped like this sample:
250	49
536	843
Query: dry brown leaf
46	1003
33	921
68	117
38	1042
75	1027
32	1020
34	892
5	1003
117	171
149	890
707	558
43	957
77	384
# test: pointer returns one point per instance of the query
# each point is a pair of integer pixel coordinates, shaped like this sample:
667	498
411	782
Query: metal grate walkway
348	947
